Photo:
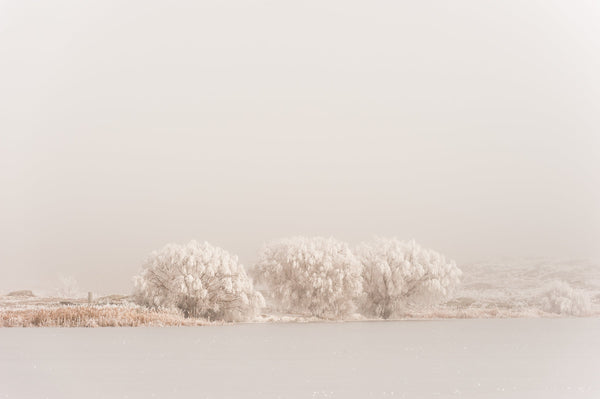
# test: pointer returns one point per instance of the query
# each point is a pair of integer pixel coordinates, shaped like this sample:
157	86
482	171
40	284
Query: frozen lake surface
496	358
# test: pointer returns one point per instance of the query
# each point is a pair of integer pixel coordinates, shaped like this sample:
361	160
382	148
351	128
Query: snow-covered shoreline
500	289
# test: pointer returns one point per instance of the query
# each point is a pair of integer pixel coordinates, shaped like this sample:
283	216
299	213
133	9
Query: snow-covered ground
517	287
495	358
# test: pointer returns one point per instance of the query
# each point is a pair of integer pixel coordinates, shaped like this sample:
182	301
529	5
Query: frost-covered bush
560	298
398	273
200	280
317	275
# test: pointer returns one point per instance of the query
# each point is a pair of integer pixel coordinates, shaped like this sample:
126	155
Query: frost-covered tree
560	298
69	288
200	280
397	274
317	275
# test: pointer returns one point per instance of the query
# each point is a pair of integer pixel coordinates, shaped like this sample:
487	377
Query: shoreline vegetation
313	279
122	312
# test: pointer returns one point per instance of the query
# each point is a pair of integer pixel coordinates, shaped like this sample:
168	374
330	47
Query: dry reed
93	316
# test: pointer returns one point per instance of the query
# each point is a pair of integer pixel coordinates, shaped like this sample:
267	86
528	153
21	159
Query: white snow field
485	358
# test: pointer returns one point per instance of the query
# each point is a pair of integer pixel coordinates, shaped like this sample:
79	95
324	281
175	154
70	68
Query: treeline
319	276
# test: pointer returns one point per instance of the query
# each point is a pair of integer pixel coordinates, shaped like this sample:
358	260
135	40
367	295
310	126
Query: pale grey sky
471	126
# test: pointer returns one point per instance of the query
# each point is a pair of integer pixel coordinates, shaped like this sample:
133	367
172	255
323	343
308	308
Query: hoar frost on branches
560	298
200	280
397	274
317	275
69	288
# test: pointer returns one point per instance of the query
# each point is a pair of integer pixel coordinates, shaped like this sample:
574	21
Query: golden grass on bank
93	316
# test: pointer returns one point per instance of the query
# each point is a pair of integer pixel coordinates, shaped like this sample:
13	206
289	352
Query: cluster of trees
320	276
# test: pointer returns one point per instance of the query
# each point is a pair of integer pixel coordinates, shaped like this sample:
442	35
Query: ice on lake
496	358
